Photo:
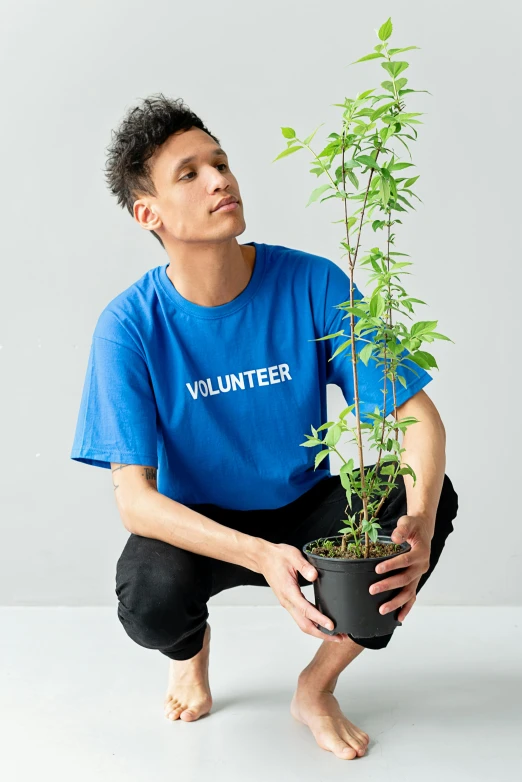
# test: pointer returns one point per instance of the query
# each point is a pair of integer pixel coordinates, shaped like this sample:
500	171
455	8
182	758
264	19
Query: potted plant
371	124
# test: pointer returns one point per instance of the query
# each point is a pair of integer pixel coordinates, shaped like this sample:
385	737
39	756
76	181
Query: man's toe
342	750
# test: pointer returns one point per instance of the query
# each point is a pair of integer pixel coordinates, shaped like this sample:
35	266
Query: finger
401	599
305	622
306	569
406	609
400	580
402	560
307	626
407	528
307	609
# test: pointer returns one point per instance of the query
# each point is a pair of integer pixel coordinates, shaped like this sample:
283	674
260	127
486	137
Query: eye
192	172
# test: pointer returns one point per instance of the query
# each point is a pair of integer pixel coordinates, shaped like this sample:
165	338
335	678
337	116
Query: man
202	379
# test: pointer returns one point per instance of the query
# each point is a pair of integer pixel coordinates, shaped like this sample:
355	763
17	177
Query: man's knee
157	598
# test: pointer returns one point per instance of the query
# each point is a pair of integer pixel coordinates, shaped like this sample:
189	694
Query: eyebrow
183	162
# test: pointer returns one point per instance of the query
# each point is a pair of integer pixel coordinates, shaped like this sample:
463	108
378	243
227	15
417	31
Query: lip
226	201
227	207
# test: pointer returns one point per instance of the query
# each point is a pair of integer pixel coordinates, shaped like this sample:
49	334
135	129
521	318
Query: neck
212	274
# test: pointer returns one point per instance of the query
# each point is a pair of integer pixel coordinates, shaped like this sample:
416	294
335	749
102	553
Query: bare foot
320	710
188	693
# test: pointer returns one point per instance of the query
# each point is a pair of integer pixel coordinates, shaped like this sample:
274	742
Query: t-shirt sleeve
117	417
371	377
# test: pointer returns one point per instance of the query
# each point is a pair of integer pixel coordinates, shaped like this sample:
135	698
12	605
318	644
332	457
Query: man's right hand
279	563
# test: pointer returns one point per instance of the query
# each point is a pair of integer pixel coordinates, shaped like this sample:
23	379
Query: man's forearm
153	515
425	444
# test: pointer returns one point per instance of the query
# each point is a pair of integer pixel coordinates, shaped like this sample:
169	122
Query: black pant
163	590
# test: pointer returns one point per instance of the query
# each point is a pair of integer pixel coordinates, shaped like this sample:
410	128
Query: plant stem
354	355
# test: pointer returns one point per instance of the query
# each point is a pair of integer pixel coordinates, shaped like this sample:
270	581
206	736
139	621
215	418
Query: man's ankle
316	680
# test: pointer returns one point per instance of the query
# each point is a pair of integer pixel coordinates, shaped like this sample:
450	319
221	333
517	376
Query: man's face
188	192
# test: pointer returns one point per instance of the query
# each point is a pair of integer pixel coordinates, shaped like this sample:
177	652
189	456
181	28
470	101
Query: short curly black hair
141	132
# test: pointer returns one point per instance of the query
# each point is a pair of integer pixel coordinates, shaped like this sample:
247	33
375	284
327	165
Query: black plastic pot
342	594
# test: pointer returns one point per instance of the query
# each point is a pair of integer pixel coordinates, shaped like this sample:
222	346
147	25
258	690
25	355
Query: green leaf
385	191
368	161
409	182
347	467
308	139
360	129
325	426
365	353
376	305
378	112
350	164
391	52
401	197
342	347
372	56
286	152
365	94
353	179
399	166
422	327
395	68
423	359
389	457
329	336
358	311
439	336
333	435
385	30
385	133
288	132
319	457
345	480
406	116
317	193
388	469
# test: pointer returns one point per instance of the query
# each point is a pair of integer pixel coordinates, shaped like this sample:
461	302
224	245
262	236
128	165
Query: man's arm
425	444
146	512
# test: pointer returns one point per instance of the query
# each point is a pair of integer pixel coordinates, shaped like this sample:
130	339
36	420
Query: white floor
81	701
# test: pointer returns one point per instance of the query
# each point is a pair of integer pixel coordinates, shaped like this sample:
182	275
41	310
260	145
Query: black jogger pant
163	590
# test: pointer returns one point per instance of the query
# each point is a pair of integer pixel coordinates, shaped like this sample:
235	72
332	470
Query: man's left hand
418	532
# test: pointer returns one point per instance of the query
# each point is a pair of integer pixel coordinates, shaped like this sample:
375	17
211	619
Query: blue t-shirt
220	398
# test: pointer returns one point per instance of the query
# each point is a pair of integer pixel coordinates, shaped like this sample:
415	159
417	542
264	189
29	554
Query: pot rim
405	546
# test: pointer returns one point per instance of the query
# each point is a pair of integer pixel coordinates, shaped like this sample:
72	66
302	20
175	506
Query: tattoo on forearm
149	474
119	467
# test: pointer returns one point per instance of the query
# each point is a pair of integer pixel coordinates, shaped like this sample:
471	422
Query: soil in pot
377	549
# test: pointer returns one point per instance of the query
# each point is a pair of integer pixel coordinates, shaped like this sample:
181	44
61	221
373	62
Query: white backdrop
71	70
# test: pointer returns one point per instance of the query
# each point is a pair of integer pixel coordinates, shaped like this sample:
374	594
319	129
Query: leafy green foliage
375	124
